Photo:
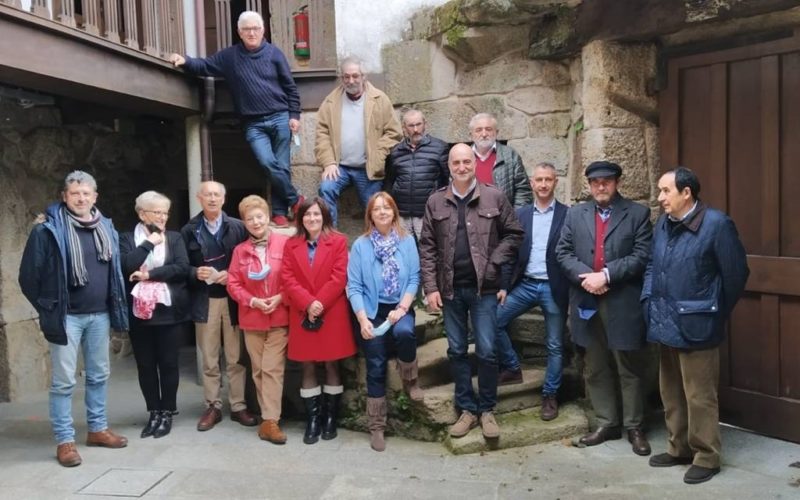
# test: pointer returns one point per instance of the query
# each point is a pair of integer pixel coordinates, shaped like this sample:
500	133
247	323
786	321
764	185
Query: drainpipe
209	97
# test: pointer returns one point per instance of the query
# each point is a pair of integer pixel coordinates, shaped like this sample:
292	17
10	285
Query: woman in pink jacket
254	283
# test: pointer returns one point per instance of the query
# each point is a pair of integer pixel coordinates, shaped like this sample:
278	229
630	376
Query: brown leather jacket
493	231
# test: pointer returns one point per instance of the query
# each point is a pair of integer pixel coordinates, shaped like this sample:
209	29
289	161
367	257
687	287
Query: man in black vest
210	238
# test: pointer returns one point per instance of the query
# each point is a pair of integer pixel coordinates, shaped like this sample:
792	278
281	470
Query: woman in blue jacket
382	281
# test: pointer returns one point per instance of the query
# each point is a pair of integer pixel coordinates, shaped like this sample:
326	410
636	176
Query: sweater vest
599	242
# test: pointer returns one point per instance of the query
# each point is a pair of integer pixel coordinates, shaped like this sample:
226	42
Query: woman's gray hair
80	177
249	15
149	198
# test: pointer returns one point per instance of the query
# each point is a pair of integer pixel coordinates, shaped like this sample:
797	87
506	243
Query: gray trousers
615	376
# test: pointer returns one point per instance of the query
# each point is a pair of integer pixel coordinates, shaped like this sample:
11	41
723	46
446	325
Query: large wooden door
733	116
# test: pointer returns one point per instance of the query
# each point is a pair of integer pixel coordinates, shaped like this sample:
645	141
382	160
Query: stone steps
523	428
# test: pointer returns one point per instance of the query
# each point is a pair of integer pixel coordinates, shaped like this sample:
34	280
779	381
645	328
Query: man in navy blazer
537	280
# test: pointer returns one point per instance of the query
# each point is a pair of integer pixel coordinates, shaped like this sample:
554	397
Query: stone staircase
517	408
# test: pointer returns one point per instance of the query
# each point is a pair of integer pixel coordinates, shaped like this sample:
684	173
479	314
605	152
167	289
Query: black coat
413	175
174	273
233	233
513	274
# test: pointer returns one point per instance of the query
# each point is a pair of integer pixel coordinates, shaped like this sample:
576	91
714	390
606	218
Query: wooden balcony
107	51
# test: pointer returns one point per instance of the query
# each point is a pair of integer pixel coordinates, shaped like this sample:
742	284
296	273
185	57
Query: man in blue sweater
266	99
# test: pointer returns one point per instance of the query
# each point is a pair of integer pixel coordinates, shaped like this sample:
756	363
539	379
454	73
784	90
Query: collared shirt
540	234
469	190
687	214
483	157
604	212
213	227
312	250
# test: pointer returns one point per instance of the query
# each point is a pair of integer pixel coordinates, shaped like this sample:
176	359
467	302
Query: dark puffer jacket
697	274
413	175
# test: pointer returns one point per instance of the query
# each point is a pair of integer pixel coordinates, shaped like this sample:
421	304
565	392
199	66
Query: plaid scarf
102	242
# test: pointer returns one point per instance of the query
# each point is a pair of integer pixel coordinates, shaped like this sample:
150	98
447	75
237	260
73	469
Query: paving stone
125	482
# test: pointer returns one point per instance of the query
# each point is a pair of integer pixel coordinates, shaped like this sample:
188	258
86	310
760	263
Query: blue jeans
270	139
527	294
482	310
330	190
376	350
90	332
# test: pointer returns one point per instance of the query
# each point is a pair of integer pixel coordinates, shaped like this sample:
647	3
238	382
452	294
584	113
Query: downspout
209	98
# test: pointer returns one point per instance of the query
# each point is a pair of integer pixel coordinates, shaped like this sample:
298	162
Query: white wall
364	26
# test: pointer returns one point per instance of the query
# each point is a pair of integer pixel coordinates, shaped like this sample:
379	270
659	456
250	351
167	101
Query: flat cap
603	169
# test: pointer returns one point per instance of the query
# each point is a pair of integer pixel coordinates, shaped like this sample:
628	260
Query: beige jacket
381	126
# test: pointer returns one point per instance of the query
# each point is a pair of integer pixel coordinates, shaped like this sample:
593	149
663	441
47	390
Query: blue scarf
385	248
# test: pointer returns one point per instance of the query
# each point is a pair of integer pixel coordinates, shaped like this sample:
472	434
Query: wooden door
733	116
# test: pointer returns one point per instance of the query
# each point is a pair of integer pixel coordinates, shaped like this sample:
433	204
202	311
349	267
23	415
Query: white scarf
151	291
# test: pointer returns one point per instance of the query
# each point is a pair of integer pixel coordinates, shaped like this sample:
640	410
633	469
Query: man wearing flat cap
604	249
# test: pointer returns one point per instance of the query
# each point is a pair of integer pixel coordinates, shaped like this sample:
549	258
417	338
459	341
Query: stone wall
37	149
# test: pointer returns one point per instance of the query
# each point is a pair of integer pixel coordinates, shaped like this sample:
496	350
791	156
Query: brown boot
376	412
409	374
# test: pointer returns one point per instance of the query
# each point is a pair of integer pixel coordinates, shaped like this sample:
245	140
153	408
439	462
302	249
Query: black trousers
156	351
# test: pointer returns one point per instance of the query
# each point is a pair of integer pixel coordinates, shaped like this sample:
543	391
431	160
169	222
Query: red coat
325	281
242	289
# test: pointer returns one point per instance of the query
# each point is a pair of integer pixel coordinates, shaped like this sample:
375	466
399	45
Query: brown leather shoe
509	377
638	442
107	439
270	431
244	417
601	435
549	407
67	454
211	417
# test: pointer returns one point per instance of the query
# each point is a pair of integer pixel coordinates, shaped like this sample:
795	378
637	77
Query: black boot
152	423
165	425
313	418
330	413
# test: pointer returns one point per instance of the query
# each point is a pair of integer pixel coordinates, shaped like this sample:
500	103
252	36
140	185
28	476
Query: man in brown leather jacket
469	230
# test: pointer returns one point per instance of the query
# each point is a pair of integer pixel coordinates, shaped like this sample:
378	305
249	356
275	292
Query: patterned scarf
385	248
102	242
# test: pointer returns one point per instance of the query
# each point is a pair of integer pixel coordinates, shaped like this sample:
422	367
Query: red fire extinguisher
302	47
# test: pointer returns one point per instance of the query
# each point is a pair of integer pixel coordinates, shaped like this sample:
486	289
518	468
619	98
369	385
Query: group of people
484	240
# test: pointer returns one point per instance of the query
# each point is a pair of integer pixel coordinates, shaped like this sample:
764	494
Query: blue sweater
364	280
260	81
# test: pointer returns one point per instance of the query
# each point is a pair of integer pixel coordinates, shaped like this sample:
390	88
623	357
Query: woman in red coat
314	276
254	282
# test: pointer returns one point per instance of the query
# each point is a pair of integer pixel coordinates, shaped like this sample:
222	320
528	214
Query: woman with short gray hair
157	267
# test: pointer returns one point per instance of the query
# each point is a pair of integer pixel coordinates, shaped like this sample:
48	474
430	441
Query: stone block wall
36	151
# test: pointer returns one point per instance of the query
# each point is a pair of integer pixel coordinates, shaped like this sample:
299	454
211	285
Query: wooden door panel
733	116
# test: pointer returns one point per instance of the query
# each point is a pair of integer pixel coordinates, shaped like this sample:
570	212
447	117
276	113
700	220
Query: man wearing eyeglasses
210	238
356	129
265	97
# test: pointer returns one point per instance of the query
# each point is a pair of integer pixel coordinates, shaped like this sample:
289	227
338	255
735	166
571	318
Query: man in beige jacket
354	153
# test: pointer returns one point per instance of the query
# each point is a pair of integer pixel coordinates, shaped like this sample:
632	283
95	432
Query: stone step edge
524	428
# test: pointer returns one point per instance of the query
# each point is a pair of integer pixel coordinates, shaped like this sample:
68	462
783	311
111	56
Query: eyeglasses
254	29
158	213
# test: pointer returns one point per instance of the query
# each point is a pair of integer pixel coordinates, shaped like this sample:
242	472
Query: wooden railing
151	26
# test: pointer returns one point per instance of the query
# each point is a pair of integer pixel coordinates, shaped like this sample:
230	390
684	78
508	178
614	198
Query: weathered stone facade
36	151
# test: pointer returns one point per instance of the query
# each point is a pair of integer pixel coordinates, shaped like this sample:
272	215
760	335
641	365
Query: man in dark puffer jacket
416	167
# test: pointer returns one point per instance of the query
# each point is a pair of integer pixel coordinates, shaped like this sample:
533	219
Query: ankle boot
331	396
409	374
376	414
313	416
152	424
164	424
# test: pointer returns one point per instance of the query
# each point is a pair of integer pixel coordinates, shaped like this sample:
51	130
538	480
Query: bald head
462	165
211	196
